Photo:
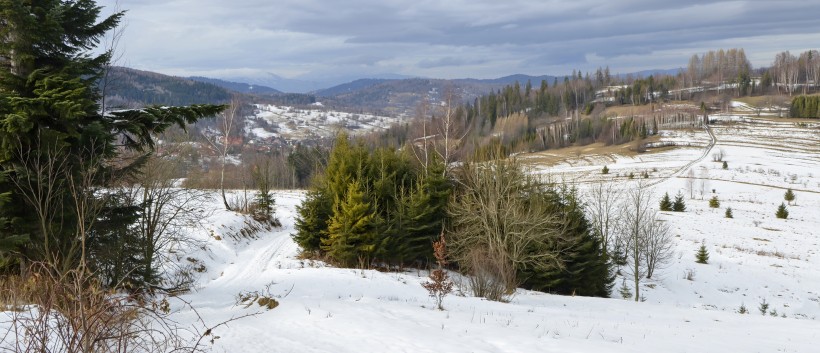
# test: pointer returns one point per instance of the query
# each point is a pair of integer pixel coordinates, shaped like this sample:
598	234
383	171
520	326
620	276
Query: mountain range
392	96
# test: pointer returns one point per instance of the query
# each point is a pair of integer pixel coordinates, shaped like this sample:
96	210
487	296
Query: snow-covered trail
326	309
753	257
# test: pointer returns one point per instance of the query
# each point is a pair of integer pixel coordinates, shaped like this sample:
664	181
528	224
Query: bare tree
635	213
648	242
658	244
40	178
703	182
690	183
221	143
165	211
450	129
87	199
603	202
500	223
111	45
420	145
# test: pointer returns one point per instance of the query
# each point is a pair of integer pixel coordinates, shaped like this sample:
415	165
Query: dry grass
595	150
765	101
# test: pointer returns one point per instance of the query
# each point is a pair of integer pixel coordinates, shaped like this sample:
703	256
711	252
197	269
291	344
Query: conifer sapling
679	205
666	203
729	212
782	212
440	284
702	257
789	196
714	202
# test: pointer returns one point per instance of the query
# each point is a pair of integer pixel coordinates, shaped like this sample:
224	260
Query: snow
295	123
752	257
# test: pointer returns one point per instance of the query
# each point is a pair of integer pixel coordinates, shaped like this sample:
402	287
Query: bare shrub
490	278
500	221
71	312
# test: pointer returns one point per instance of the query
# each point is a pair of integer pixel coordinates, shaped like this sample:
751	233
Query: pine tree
605	170
728	213
702	257
725	165
666	203
782	211
714	202
49	111
351	237
679	205
789	196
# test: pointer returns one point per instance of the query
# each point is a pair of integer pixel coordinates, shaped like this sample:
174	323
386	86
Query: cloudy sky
308	39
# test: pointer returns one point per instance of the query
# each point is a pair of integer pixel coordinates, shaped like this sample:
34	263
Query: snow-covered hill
289	123
753	257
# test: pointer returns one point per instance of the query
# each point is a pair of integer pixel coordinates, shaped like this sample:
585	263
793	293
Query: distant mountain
277	82
512	79
239	87
130	88
350	87
385	95
655	72
305	84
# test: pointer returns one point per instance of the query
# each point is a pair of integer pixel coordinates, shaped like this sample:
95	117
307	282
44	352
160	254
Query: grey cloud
467	37
449	61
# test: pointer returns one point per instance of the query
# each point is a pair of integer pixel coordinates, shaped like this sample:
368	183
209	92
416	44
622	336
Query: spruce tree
49	112
605	170
725	165
789	196
679	205
313	215
782	211
728	213
426	212
714	202
586	269
666	203
702	256
351	238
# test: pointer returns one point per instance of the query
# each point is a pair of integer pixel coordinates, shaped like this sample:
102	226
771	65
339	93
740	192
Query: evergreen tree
311	224
666	203
49	112
351	238
782	211
702	257
624	290
426	211
728	213
725	165
679	205
605	170
586	269
789	196
714	202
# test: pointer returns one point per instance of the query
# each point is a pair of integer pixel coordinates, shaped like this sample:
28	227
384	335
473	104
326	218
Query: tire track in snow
712	142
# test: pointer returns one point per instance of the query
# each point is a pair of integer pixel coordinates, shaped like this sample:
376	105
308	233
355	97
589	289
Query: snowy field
753	257
294	124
